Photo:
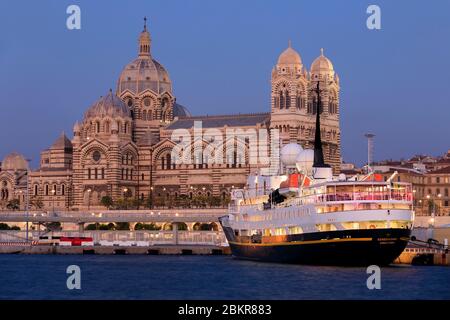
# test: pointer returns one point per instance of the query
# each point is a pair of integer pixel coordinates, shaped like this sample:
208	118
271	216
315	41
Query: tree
13	204
54	226
107	202
143	226
36	202
123	226
92	226
148	202
4	226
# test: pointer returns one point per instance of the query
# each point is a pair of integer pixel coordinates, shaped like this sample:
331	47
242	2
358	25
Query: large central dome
144	73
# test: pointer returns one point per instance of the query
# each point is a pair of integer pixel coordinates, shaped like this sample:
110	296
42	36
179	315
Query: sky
395	82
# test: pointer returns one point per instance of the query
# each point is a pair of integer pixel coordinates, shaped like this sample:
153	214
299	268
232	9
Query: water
208	277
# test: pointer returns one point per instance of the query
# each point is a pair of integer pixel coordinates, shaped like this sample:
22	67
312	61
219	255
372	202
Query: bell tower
288	95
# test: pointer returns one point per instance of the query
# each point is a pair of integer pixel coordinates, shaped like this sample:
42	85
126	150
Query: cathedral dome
109	105
289	56
13	162
180	111
322	65
144	73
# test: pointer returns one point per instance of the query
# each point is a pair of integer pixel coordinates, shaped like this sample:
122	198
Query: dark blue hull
348	248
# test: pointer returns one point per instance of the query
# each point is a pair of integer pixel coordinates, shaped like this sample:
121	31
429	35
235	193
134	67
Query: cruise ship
306	215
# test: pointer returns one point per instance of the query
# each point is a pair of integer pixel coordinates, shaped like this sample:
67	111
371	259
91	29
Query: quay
178	234
117	250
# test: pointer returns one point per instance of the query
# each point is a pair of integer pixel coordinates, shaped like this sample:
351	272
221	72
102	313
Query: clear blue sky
395	82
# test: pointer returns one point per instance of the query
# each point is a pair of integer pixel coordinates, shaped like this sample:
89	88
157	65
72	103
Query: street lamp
53	200
125	194
27	201
89	198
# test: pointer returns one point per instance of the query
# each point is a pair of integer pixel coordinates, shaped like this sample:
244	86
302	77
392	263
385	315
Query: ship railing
356	196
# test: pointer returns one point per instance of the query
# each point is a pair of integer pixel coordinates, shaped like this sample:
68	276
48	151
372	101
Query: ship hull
346	248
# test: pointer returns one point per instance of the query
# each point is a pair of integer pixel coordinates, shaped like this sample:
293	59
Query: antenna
369	137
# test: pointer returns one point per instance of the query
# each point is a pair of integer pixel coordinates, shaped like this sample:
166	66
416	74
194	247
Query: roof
109	105
219	121
62	142
445	170
14	161
180	111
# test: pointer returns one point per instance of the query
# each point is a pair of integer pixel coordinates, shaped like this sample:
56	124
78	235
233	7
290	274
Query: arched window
281	100
89	173
36	189
131	174
97	127
46	189
63	190
107	126
144	115
168	162
103	173
288	100
298	102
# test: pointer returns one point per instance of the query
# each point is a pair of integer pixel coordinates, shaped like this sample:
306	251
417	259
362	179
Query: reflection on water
208	277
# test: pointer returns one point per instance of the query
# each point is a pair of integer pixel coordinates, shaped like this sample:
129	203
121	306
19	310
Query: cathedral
122	148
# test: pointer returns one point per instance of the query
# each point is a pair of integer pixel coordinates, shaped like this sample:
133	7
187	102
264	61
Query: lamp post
53	201
89	198
151	197
27	201
125	194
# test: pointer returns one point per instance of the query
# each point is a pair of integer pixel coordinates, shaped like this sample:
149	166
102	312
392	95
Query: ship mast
318	150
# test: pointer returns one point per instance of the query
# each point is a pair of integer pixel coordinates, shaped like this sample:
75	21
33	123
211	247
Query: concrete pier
110	250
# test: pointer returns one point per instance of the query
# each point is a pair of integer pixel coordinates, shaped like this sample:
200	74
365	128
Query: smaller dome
109	105
13	162
180	111
322	65
76	127
305	161
289	153
289	56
